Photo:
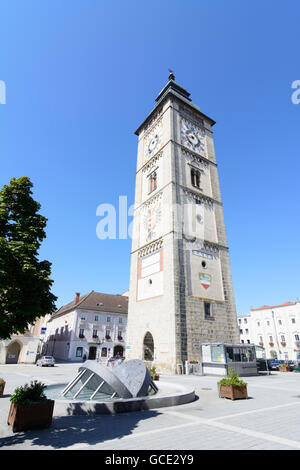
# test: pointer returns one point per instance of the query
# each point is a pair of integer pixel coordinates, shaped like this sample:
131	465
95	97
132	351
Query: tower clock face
153	142
192	137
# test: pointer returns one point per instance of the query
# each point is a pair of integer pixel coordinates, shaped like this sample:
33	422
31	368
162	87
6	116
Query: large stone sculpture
124	380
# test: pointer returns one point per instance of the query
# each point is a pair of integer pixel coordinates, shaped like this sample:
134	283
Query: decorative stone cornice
157	119
153	199
195	159
151	248
199	198
152	162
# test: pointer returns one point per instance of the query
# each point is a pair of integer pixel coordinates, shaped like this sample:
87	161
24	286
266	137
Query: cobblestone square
269	419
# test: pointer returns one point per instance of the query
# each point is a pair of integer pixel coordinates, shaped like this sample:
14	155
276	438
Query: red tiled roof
97	301
273	306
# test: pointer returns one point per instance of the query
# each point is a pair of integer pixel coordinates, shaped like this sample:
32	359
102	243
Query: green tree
24	280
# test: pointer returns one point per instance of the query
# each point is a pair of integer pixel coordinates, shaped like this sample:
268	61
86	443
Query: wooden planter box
156	377
2	386
34	415
284	369
234	392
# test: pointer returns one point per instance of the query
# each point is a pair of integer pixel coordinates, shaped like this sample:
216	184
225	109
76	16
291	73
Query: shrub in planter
2	385
30	408
232	386
153	373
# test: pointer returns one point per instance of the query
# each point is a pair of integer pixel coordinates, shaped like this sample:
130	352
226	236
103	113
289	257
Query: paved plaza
269	419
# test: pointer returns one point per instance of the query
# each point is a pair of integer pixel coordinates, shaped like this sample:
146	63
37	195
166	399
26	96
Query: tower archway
13	352
148	347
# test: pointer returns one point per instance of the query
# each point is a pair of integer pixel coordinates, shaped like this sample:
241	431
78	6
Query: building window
83	318
293	320
120	337
120	320
258	323
79	352
242	341
271	339
261	339
247	331
108	319
248	341
195	177
95	334
268	323
282	338
279	322
245	320
152	182
96	318
207	309
107	334
240	321
297	337
241	331
81	333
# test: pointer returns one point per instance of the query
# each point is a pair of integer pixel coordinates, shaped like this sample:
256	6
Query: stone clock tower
180	279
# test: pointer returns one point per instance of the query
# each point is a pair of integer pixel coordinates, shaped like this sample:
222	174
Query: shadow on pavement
71	430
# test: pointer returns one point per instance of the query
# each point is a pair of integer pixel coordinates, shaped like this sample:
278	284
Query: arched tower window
195	177
152	182
148	347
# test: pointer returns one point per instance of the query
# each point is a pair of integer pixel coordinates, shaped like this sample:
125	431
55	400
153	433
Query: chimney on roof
77	297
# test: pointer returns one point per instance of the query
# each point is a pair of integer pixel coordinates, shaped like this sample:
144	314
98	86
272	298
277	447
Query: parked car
263	364
275	364
47	361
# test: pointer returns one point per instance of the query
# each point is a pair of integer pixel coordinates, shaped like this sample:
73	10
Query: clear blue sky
81	75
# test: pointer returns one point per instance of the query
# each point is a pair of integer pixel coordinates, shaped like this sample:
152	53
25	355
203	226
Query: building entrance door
92	352
118	351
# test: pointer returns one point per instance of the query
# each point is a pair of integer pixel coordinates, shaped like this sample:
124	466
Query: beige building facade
24	348
180	291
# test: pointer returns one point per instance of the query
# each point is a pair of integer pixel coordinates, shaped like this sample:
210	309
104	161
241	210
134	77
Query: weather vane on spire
171	75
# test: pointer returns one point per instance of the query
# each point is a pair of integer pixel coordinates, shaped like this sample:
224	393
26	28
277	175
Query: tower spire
171	75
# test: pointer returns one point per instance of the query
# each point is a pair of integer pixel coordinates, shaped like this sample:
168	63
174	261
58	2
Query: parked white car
47	361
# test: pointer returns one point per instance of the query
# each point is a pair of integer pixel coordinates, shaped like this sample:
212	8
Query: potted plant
30	408
271	344
283	343
232	386
153	373
261	343
2	385
284	367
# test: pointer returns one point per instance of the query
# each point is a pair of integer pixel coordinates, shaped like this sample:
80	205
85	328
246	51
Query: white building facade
276	328
91	327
